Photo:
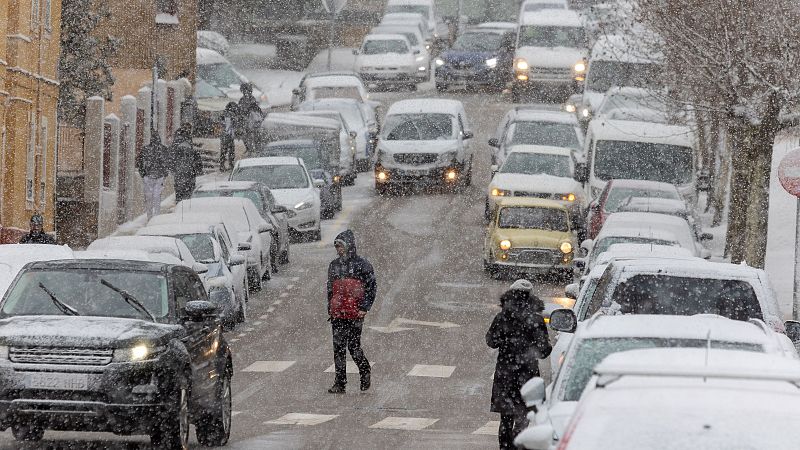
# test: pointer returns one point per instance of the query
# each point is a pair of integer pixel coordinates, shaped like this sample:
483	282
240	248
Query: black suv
109	345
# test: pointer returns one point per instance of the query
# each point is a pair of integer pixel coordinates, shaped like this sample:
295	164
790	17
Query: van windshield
603	75
549	36
545	133
643	161
220	75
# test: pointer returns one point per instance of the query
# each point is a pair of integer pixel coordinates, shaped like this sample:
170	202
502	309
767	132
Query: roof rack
612	374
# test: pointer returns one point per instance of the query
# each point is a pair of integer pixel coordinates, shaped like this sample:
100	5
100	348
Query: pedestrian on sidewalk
36	235
153	165
351	292
227	149
519	332
250	117
187	164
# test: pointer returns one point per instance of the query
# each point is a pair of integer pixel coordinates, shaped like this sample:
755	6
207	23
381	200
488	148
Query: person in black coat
519	333
36	235
186	163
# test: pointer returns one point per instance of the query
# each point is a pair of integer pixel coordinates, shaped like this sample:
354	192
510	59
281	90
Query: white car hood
385	60
551	57
419	146
560	414
290	197
535	183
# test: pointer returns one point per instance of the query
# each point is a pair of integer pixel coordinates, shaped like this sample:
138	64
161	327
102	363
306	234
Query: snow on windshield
603	75
383	46
548	219
418	127
219	75
274	177
544	133
536	164
551	36
644	161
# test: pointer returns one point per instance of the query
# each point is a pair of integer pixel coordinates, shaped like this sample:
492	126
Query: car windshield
619	196
309	155
533	7
686	296
322	92
383	46
631	103
284	176
219	75
527	217
536	164
643	161
83	291
203	89
201	246
551	36
478	42
418	9
545	133
578	370
418	127
603	75
253	196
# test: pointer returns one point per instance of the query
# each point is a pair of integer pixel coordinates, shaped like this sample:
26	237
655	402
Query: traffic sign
789	172
333	6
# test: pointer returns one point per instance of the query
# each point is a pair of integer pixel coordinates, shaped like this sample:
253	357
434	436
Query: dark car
479	57
116	346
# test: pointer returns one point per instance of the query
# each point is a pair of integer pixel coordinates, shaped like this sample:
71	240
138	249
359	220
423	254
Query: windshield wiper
63	307
129	299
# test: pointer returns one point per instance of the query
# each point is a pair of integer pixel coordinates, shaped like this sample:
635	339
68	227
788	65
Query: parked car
531	125
322	85
13	258
249	227
721	394
551	53
357	122
388	61
313	155
414	19
211	103
595	339
617	192
479	57
426	8
415	38
424	140
529	235
154	246
217	71
292	186
135	346
348	162
213	41
541	172
209	241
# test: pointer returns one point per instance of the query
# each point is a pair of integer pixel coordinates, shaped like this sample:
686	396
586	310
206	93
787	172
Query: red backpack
347	296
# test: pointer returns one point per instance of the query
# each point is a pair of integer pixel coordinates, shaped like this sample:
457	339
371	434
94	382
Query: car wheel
486	212
27	432
412	87
214	427
172	432
254	281
241	315
273	255
284	259
441	87
381	189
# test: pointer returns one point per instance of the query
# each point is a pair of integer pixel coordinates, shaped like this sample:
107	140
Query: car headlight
585	113
579	67
565	247
521	64
568	197
422	69
448	156
439	62
337	178
305	204
491	63
139	352
505	244
496	192
570	108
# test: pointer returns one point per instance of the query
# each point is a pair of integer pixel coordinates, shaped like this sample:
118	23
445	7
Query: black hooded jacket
38	238
153	159
519	332
352	266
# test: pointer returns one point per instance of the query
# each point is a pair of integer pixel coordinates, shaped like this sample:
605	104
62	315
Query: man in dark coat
250	116
153	165
36	235
519	332
351	292
230	117
186	163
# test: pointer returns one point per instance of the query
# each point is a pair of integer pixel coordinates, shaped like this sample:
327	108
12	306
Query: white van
640	151
424	7
388	60
424	140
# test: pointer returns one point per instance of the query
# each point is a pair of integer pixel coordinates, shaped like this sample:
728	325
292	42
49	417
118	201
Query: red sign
789	172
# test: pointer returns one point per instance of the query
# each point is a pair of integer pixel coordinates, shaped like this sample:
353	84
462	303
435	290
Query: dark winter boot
336	389
365	381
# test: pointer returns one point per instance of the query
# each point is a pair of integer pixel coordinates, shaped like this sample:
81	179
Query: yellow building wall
31	54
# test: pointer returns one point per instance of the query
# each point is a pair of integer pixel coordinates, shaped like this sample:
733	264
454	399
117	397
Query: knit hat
522	285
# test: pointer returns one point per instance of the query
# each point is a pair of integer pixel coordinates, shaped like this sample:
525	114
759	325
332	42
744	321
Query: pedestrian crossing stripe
302	419
404	423
351	367
269	366
424	370
491	428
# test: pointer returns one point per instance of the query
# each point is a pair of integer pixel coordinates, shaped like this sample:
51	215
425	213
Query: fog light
504	256
422	68
569	107
522	77
337	178
382	176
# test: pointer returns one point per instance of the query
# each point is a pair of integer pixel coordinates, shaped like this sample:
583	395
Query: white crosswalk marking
351	367
302	419
404	423
269	366
490	428
424	370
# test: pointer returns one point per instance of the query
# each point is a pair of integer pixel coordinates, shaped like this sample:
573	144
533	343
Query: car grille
533	194
552	72
68	356
534	256
416	159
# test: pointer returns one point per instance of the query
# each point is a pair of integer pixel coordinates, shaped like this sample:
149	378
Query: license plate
57	381
416	173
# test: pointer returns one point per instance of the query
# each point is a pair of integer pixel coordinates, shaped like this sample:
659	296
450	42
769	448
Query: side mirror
580	264
705	253
201	310
279	209
493	142
468	135
581	172
199	268
264	227
319	184
793	331
236	260
296	91
563	320
245	247
373	128
539	437
353	134
533	392
706	237
495	168
416	52
572	290
586	245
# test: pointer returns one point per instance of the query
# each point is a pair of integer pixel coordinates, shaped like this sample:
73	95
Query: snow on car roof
624	183
148	244
195	217
676	227
541	183
552	18
338	80
645	219
534	115
504	26
630	231
293	143
269	161
301	120
531	202
174	229
694	268
13	258
641	251
208	56
426	105
129	254
227	185
622	48
636	131
386	37
699	326
655	205
540	149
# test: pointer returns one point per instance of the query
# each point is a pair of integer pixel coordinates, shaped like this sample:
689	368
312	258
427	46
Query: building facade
29	51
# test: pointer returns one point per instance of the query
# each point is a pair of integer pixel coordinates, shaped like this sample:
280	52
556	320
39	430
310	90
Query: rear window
685	296
618	196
